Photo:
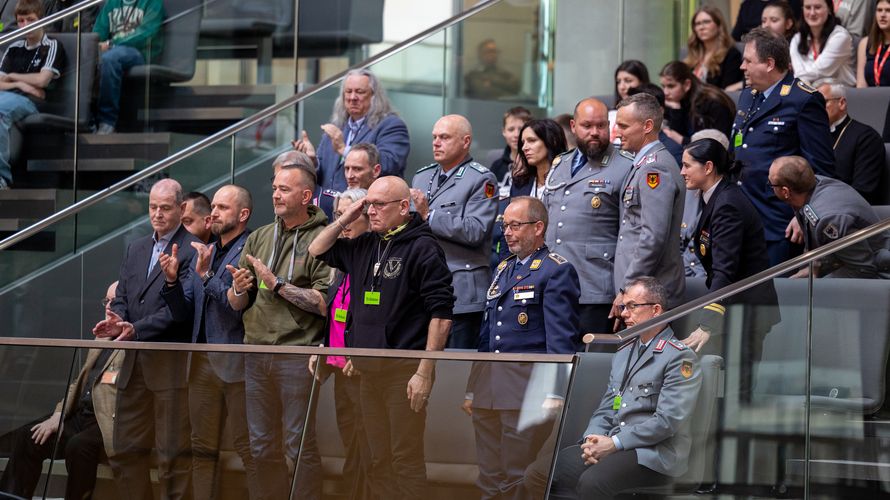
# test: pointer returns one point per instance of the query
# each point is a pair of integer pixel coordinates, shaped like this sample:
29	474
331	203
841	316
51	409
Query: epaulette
628	343
556	161
555	257
805	87
811	214
478	167
330	192
504	262
423	169
680	346
627	154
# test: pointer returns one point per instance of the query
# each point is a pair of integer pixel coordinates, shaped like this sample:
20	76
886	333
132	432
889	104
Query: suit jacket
651	215
584	217
195	300
791	121
859	157
730	244
462	214
104	395
659	397
138	300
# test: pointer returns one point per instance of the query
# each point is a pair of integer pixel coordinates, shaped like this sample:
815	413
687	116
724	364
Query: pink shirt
338	322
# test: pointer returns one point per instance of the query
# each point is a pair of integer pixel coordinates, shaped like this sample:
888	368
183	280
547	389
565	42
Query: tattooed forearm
306	299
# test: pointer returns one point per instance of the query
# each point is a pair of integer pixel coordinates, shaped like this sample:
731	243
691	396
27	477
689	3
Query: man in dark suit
858	148
362	113
152	401
216	379
779	116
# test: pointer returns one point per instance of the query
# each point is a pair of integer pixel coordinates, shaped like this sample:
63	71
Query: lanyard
880	68
271	264
344	289
429	188
815	54
629	367
380	258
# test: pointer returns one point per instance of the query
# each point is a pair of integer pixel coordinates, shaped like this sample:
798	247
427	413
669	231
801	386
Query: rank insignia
831	231
652	180
811	214
786	89
595	202
556	161
651	158
523	318
489	190
605	160
686	369
502	265
703	249
536	264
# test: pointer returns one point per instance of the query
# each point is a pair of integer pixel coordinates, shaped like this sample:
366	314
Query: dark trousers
781	250
80	445
352	434
147	419
397	469
503	451
465	331
594	318
212	403
613	474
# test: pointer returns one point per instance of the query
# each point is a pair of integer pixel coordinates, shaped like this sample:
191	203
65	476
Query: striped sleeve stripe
715	307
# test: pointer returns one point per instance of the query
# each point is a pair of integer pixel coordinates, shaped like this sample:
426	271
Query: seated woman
691	106
779	18
822	48
873	50
629	74
712	53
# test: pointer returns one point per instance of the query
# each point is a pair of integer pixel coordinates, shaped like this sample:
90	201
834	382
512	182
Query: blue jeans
13	107
278	388
112	65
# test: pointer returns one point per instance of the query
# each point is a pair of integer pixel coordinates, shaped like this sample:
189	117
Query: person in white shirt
822	48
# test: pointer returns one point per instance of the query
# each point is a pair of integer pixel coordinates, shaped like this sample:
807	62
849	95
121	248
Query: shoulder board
423	169
330	192
680	346
556	161
627	154
555	257
659	346
810	214
805	87
626	344
504	262
478	167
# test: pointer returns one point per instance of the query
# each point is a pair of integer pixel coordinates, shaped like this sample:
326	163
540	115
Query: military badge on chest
705	240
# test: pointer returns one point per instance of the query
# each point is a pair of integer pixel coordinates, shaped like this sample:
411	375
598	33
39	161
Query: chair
884	184
176	63
869	105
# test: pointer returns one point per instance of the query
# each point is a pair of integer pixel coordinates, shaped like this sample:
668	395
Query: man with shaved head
152	402
457	197
583	198
402	299
216	380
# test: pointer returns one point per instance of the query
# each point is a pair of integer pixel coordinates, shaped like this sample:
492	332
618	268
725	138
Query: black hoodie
413	282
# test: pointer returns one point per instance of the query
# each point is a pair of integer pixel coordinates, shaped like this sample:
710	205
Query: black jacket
414	284
859	158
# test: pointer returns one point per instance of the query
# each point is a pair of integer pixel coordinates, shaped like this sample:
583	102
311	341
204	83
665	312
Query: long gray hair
380	105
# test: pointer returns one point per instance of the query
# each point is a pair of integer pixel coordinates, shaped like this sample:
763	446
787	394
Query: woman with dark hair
730	244
629	74
712	54
822	48
691	106
779	18
874	49
540	141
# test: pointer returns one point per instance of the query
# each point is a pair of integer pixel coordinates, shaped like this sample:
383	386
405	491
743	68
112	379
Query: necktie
442	178
517	268
579	161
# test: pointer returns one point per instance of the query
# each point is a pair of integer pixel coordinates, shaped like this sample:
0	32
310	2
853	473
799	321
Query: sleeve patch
490	190
831	232
686	369
653	180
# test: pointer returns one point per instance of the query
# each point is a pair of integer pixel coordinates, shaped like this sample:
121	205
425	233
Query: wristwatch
206	276
279	282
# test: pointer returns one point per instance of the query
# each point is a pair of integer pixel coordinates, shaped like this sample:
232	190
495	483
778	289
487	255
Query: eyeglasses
769	185
514	226
106	301
633	307
378	205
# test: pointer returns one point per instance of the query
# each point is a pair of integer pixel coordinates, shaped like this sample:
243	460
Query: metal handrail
46	21
727	291
234	128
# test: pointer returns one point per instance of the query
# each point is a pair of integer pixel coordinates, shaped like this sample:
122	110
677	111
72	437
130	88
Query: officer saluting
532	308
779	116
582	196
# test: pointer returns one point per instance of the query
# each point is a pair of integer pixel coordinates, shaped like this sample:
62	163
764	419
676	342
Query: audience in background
750	16
855	15
779	18
565	121
629	74
712	54
691	106
822	48
514	119
873	49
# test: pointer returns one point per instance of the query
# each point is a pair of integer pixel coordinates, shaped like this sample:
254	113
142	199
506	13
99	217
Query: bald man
152	402
457	197
402	299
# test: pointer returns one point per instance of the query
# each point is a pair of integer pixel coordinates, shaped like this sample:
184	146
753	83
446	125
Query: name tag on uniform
340	315
109	377
775	122
628	193
616	403
372	298
524	295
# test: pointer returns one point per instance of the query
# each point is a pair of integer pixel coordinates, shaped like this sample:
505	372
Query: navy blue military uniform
790	121
531	308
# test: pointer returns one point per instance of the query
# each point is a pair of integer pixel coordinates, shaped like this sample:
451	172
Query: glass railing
272	430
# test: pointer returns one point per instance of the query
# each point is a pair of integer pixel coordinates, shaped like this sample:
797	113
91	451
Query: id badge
372	298
616	403
737	140
109	377
340	315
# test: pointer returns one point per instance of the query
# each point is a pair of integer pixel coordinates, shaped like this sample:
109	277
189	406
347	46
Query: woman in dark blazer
730	244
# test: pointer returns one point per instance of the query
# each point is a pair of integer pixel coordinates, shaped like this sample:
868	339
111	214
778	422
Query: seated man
28	66
88	414
130	35
639	435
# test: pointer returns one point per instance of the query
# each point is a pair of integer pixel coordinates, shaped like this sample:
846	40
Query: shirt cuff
617	443
469	396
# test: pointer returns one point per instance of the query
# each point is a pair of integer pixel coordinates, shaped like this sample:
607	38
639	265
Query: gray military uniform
691	212
655	402
836	210
583	211
462	213
651	213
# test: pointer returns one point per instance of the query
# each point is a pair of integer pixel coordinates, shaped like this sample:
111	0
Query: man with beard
583	199
216	379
